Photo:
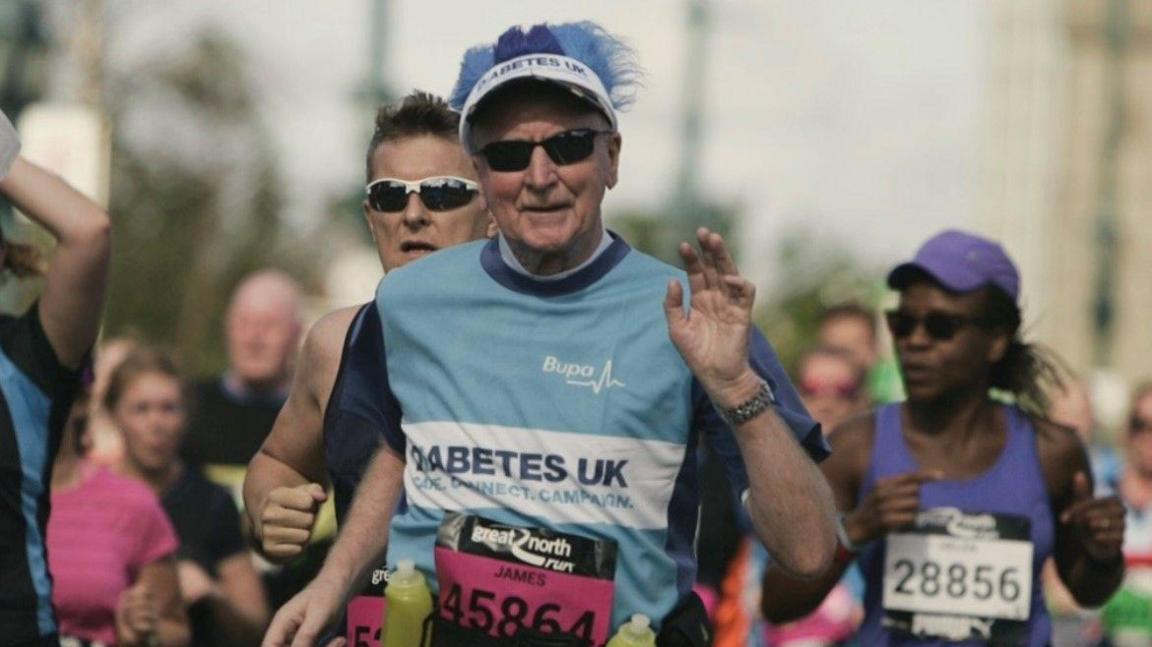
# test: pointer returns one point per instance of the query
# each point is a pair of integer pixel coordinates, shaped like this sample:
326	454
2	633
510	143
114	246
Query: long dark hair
1029	372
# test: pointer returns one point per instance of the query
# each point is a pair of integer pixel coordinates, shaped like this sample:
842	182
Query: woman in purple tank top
953	499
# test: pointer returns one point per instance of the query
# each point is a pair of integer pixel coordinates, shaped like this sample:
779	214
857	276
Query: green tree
194	198
657	233
812	274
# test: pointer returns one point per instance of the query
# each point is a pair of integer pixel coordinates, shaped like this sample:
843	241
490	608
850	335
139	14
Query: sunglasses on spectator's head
940	326
1138	425
810	387
564	148
441	193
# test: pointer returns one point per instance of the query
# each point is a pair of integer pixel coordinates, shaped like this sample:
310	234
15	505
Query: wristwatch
750	408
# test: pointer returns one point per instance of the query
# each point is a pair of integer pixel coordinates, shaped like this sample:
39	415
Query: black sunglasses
940	326
390	195
567	147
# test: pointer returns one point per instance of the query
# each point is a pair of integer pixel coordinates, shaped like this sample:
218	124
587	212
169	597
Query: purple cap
961	262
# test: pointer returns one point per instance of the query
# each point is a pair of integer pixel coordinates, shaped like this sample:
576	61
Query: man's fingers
317	492
708	261
309	630
719	259
281	630
724	261
277	535
674	302
729	280
277	517
287	534
693	266
283	551
295	498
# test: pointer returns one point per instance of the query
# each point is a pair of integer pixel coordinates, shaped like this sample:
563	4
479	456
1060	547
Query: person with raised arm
42	351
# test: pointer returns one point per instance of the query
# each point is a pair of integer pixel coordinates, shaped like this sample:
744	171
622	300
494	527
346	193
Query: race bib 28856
960	576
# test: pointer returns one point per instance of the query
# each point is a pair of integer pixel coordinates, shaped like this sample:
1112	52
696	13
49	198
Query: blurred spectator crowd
146	487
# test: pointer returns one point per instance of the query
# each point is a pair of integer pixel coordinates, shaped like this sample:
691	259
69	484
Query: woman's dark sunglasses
567	147
390	195
940	326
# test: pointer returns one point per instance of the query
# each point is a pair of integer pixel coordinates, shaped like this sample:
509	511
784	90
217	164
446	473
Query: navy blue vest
357	413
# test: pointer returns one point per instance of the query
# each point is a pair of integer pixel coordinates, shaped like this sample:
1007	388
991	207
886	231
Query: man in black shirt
232	413
209	529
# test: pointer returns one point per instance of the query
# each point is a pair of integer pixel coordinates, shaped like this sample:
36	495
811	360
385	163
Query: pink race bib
497	578
365	611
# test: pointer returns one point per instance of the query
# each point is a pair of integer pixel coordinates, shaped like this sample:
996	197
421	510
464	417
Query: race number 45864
504	615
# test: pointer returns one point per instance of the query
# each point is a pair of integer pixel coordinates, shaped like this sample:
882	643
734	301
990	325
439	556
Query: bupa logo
582	374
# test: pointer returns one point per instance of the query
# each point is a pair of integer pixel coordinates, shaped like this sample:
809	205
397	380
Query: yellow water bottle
634	633
409	605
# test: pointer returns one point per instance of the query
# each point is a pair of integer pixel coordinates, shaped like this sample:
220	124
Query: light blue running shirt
560	405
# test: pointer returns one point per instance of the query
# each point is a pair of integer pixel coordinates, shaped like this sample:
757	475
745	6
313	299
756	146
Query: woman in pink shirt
110	549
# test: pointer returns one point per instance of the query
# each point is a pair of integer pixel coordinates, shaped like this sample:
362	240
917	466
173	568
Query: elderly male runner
550	388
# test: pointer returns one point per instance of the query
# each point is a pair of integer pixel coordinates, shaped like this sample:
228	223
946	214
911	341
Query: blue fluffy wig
609	57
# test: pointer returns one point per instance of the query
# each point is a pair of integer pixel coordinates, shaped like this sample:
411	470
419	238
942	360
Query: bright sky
858	120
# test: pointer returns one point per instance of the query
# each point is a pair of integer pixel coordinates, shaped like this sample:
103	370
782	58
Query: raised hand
712	336
1097	522
891	505
287	519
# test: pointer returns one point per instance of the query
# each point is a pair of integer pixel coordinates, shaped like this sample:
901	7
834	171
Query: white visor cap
553	68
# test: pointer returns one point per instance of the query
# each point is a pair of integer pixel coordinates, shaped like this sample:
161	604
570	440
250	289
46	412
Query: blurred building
1068	182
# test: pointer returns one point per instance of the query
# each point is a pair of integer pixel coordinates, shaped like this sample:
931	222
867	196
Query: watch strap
750	408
